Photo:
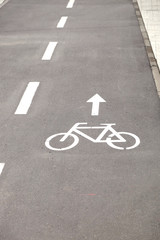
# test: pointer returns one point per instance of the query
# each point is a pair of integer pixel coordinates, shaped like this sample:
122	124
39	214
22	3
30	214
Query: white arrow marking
95	100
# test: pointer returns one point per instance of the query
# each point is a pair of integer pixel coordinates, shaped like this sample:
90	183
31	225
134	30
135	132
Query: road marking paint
27	98
70	3
1	167
49	50
105	127
1	1
96	100
62	22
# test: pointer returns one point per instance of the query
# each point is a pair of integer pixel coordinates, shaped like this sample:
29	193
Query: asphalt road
91	191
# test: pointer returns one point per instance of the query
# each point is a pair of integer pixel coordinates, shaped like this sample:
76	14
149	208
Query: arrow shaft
95	109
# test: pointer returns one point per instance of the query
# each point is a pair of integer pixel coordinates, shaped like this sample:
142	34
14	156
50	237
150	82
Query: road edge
149	50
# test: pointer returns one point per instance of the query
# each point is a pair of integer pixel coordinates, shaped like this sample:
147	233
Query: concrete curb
150	53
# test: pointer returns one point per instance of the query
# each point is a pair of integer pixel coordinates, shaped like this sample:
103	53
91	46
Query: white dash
27	98
49	51
62	22
1	167
70	3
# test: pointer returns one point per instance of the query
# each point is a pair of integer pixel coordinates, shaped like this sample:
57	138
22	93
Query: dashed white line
62	22
49	50
70	3
1	167
27	98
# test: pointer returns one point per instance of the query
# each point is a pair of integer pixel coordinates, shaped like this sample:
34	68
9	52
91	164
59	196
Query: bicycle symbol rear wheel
48	142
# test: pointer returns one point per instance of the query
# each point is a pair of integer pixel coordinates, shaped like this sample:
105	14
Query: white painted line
62	22
27	98
70	3
1	167
49	51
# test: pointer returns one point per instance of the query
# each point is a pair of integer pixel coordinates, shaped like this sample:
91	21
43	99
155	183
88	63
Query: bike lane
91	191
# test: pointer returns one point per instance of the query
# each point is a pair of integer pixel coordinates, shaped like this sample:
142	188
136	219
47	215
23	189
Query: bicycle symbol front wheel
111	142
48	142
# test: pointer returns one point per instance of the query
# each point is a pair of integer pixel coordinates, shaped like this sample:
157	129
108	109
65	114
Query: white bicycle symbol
105	128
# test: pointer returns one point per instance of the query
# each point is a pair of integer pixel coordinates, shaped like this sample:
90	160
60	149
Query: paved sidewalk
150	10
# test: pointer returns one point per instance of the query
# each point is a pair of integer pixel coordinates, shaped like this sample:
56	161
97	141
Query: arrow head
96	98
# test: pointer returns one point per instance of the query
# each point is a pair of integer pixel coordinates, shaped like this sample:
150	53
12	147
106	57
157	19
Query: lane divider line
70	3
49	51
62	22
27	98
1	167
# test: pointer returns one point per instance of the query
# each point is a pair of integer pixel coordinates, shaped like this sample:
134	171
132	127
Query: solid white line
62	22
1	167
70	3
49	51
27	98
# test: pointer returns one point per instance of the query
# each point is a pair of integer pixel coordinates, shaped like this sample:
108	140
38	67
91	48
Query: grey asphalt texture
91	191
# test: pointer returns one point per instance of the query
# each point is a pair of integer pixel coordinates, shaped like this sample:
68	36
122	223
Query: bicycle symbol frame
105	128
